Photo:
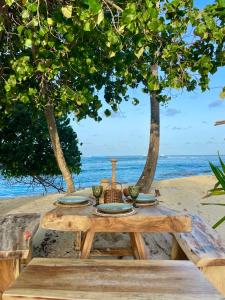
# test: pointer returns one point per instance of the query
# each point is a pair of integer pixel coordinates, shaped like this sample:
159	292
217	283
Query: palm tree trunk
148	173
56	145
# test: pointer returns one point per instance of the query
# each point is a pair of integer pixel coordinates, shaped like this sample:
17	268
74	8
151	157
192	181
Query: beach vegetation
219	187
26	155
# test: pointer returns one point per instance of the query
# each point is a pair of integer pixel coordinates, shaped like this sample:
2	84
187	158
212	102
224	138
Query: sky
187	124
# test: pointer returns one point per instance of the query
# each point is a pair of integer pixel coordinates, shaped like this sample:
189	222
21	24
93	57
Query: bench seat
16	233
204	247
68	279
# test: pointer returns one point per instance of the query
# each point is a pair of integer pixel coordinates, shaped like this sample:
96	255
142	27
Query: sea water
129	169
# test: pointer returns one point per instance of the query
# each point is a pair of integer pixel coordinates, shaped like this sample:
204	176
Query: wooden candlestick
113	161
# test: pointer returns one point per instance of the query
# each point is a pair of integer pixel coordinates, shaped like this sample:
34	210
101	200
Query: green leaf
222	164
69	37
28	42
112	54
107	112
94	6
219	175
9	2
100	17
222	94
139	52
87	26
20	28
50	21
67	11
219	222
220	204
221	3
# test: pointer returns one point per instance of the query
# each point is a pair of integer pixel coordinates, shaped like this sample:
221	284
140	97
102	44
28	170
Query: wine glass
97	192
134	191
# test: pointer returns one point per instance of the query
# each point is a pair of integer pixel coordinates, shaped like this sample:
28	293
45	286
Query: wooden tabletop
147	219
69	279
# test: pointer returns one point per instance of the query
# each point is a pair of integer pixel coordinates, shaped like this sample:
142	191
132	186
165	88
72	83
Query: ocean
128	171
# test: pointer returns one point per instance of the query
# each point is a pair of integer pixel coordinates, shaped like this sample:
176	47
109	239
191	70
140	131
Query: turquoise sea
128	170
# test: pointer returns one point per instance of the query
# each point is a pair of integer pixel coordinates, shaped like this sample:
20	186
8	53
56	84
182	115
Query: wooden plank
216	275
176	252
203	245
147	219
111	280
16	232
87	244
9	271
139	245
112	252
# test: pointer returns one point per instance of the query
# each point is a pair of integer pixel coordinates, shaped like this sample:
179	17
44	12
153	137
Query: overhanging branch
219	123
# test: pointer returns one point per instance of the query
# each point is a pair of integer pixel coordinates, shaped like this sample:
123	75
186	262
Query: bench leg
216	275
87	244
9	271
138	245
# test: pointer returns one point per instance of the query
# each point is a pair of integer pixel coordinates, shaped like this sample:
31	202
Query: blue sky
187	124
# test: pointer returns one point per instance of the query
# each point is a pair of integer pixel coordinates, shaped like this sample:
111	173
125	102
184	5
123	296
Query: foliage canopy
25	147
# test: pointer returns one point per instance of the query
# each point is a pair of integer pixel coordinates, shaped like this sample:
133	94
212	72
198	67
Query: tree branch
219	123
110	2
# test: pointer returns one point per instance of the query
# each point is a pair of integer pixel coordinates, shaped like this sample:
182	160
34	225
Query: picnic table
82	220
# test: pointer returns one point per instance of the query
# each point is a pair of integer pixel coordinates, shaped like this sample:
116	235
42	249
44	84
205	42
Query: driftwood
16	232
204	247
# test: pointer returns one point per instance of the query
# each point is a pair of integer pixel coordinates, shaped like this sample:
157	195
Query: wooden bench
68	279
16	232
204	247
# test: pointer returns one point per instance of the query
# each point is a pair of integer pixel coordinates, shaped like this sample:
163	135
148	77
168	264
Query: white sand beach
184	194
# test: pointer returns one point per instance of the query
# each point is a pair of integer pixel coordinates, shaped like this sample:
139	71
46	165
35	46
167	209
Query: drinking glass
97	192
134	191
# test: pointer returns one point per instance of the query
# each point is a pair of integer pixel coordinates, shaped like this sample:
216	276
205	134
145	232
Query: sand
184	194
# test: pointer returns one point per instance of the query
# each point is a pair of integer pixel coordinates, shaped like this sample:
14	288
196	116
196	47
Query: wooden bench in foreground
204	247
16	232
91	279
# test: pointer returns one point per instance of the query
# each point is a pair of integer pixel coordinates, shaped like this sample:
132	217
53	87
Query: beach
183	194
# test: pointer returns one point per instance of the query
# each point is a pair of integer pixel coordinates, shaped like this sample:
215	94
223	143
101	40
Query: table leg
77	243
138	245
133	246
87	244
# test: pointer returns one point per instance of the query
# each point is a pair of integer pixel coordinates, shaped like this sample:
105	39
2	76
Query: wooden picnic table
156	218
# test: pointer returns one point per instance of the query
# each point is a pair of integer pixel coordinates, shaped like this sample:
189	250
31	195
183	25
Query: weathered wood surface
215	275
202	245
16	232
9	271
147	219
110	280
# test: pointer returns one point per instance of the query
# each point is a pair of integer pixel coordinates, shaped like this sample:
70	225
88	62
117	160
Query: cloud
204	122
180	128
215	104
170	112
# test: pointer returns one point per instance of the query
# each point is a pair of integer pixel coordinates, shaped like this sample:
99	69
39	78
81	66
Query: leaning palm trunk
57	148
147	176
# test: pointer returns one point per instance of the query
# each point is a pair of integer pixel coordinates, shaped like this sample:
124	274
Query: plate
114	208
72	200
145	198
